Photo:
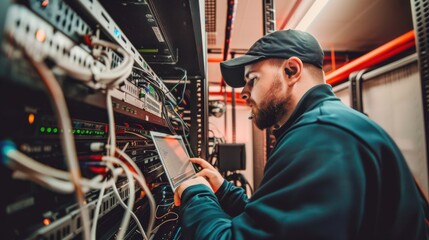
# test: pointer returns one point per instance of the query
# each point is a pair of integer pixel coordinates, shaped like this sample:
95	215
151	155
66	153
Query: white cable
67	139
119	72
124	77
169	220
109	77
165	214
107	58
47	182
139	225
131	198
141	180
52	178
121	202
125	147
136	134
97	211
112	128
30	163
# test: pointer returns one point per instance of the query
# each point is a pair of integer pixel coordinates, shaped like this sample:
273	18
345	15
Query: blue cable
6	146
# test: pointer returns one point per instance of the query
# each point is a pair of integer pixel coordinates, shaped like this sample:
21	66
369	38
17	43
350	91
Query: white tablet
174	157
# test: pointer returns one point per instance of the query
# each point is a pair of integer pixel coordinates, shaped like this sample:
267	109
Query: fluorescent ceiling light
311	14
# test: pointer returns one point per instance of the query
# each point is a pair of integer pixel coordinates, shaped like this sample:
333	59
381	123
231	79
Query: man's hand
209	173
185	185
209	176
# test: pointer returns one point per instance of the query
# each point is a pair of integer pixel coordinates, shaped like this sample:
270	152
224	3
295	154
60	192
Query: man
333	174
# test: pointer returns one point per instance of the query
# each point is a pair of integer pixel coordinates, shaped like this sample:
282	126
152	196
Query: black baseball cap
279	44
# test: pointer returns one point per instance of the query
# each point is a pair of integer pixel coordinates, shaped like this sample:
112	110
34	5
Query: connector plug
6	146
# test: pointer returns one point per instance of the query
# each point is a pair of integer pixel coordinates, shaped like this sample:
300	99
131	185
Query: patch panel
68	226
40	40
62	17
131	89
152	105
101	16
130	110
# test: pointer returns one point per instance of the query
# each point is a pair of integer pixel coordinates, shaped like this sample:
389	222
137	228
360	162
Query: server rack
101	64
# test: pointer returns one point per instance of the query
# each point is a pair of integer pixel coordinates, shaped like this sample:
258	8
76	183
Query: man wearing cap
333	174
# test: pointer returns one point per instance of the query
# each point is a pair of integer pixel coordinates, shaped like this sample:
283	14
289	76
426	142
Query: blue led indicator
117	33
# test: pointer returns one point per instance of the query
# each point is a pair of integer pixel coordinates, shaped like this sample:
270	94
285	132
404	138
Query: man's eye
252	80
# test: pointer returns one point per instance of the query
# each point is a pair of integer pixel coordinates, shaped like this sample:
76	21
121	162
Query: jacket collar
309	100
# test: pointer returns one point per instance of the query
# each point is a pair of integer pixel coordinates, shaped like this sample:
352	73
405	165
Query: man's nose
245	94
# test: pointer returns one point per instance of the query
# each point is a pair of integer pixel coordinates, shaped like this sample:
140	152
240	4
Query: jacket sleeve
231	198
312	189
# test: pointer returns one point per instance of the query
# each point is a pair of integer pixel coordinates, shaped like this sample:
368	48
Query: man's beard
271	108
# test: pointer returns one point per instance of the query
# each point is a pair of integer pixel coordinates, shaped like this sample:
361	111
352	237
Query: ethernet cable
131	198
184	86
57	180
120	72
47	182
12	157
185	137
141	180
112	127
164	111
121	202
138	135
182	122
110	77
165	214
97	210
125	147
148	77
67	139
185	76
164	222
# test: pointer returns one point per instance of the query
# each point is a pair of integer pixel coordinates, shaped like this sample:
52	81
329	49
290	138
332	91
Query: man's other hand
185	185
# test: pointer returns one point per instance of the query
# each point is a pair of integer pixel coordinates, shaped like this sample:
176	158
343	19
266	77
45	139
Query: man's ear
293	68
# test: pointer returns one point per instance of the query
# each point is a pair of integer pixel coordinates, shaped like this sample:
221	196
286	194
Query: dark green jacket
333	174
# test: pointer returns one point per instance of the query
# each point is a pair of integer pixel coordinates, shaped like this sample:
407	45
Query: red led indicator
45	3
46	221
40	35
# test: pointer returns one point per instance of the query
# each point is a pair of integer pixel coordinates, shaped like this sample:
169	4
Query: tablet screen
174	158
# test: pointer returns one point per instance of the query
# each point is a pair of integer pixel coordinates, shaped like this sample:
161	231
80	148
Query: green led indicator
42	129
74	131
49	130
87	131
91	132
148	50
55	130
78	131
